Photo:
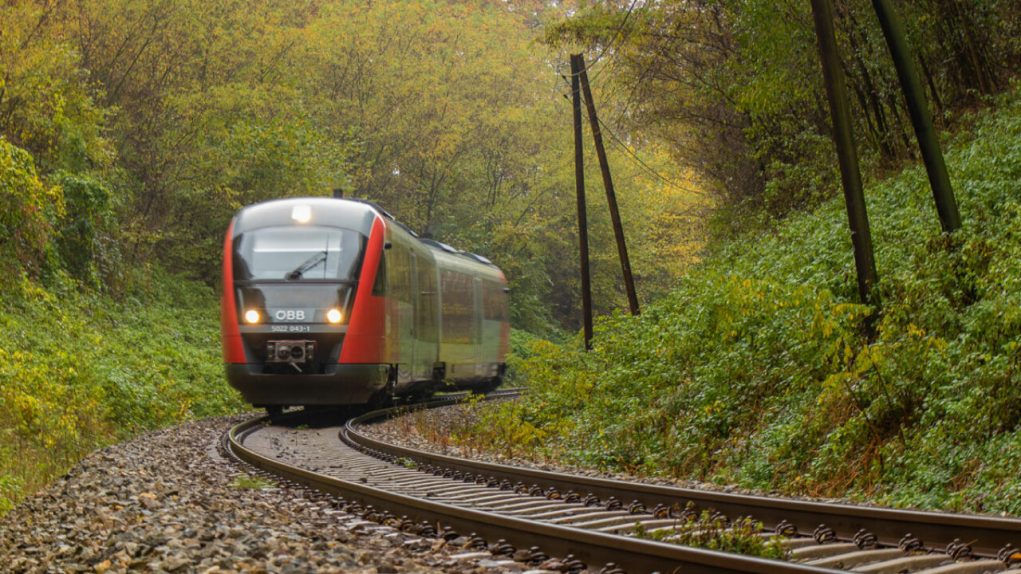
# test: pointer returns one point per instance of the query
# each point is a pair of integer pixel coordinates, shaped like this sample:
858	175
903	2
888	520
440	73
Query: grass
246	482
713	531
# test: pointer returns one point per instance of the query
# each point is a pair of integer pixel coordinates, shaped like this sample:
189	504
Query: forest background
131	130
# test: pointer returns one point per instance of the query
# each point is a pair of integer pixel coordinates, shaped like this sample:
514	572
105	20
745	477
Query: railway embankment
169	501
763	372
81	369
445	431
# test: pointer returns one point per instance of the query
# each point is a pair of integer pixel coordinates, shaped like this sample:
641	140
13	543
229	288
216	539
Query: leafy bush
88	212
30	208
760	370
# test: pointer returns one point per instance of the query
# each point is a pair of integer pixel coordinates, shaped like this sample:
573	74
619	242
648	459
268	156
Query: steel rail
988	535
590	547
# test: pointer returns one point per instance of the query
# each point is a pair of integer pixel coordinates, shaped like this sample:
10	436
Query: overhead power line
613	39
634	156
617	34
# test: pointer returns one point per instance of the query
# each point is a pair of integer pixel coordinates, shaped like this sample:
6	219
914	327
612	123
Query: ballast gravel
170	501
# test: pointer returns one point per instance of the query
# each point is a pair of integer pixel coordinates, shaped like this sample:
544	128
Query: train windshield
294	253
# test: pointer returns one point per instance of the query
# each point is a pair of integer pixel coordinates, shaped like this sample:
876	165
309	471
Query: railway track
605	525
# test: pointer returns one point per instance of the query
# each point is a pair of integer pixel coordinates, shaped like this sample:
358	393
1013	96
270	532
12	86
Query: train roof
464	263
316	210
439	246
356	214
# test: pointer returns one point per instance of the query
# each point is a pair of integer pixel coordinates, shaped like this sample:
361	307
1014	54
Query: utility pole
611	196
850	173
921	119
579	184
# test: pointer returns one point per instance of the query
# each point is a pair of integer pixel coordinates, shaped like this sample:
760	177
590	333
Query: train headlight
252	316
302	213
334	316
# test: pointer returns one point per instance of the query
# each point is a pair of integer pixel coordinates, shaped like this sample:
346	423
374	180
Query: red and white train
333	302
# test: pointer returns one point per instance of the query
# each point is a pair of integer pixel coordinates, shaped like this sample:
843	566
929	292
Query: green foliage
47	103
522	345
86	220
757	369
30	209
80	370
246	482
10	488
713	531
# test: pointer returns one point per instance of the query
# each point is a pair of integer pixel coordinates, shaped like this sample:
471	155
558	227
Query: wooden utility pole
611	196
579	184
921	119
850	173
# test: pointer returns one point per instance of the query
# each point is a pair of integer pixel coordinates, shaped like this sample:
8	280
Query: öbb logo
289	315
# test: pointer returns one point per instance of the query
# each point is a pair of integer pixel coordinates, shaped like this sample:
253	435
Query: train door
415	368
402	331
477	326
425	317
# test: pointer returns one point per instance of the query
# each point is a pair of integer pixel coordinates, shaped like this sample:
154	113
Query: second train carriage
333	302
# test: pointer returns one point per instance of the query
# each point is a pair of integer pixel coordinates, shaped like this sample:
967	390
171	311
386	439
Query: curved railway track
591	522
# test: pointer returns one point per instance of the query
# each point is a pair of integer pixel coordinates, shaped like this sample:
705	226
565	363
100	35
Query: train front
293	284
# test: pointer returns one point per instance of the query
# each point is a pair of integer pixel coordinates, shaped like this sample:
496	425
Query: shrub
29	210
87	213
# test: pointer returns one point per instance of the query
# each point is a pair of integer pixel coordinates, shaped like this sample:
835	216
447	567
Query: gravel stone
169	501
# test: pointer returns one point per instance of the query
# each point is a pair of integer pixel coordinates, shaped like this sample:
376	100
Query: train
333	302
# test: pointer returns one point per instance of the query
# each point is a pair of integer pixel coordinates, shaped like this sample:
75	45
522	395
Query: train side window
458	307
399	270
379	286
494	301
426	307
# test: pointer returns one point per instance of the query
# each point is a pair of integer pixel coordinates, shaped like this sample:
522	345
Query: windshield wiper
309	263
